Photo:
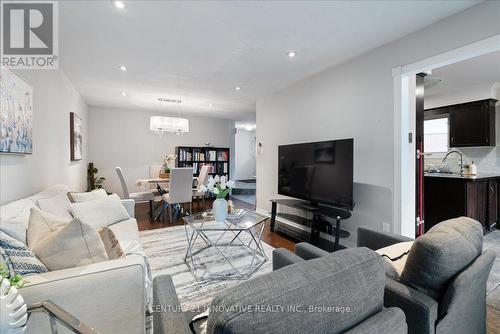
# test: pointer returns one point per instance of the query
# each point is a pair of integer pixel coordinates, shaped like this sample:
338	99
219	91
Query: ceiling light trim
168	100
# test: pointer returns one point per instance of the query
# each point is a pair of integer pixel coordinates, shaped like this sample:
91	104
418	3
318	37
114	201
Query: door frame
404	124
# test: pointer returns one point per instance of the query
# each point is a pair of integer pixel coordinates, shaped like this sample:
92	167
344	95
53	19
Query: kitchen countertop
479	176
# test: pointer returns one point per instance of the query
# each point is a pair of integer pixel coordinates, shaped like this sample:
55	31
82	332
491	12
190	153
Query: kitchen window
436	135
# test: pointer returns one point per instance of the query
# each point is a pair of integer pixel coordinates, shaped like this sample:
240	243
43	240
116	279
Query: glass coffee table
224	250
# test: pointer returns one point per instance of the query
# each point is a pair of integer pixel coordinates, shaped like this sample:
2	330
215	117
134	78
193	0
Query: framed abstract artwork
16	113
76	140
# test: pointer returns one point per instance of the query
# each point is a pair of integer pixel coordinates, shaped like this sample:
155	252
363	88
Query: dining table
153	184
146	183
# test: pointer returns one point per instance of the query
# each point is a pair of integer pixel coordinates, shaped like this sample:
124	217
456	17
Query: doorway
406	91
245	163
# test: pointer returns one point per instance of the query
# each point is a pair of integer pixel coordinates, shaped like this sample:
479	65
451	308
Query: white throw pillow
395	257
41	224
395	251
87	196
73	245
18	212
57	205
100	212
14	229
51	191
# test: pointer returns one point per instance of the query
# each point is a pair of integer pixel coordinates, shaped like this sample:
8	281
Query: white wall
121	137
244	154
355	99
54	98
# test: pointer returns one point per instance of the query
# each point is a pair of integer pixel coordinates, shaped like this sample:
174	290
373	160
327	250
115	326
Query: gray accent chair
351	278
443	286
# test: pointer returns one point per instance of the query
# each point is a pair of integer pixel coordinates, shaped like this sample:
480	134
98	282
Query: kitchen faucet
461	160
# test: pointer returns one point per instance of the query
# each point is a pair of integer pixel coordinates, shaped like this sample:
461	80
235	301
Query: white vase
13	310
220	209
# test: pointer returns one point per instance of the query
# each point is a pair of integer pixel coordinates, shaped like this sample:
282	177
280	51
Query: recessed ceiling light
163	99
124	94
123	68
291	54
119	4
210	105
238	87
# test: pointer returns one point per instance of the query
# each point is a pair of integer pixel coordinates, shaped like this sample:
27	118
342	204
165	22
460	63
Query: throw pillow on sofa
100	212
75	244
20	259
41	224
14	229
75	197
395	258
111	243
57	205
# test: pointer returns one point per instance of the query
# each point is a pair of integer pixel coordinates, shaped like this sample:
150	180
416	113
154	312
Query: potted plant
13	311
94	181
220	188
167	164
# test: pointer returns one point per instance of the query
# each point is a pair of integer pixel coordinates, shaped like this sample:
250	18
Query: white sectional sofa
109	296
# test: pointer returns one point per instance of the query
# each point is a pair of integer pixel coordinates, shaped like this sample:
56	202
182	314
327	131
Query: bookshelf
195	157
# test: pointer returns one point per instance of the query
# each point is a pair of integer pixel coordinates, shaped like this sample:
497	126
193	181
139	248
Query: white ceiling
200	51
473	74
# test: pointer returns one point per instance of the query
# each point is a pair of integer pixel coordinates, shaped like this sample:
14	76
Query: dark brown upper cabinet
471	123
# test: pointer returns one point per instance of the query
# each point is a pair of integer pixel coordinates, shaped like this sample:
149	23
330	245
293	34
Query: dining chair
202	180
181	189
154	172
138	197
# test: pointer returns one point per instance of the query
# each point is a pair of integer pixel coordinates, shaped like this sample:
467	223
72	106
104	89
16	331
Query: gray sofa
442	288
350	282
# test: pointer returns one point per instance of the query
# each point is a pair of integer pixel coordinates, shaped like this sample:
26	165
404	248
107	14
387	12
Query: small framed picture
76	140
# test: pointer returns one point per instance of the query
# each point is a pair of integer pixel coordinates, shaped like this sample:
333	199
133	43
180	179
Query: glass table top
243	220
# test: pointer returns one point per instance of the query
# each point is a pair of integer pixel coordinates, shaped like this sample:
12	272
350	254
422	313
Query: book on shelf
222	156
195	157
212	155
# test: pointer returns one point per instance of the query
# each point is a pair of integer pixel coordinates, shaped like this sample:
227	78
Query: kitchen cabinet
492	203
470	124
449	197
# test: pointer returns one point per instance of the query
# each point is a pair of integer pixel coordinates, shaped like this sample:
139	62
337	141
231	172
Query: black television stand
318	223
311	207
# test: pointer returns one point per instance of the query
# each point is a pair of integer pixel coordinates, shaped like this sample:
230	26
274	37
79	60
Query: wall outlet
386	227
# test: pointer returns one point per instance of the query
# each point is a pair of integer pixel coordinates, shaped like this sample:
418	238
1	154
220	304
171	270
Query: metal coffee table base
254	249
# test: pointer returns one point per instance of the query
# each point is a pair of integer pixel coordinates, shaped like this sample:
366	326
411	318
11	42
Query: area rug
166	248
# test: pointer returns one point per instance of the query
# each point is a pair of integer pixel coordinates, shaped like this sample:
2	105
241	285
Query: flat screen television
319	172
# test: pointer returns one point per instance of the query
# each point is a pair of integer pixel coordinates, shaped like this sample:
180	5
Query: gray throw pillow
440	254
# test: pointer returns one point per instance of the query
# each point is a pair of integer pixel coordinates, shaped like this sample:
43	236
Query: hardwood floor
274	239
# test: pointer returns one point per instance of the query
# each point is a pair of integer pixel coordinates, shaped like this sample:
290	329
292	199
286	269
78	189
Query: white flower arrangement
166	163
218	186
